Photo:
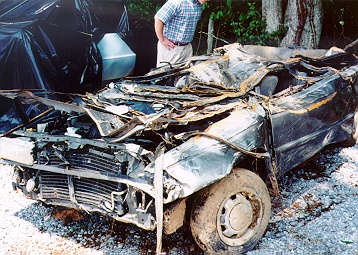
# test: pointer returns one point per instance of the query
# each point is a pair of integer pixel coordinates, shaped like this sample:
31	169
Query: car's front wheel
231	215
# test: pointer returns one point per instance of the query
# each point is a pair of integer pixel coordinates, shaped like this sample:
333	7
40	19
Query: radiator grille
54	186
93	192
91	160
87	191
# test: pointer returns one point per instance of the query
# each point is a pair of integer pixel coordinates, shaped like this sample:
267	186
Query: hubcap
240	214
237	218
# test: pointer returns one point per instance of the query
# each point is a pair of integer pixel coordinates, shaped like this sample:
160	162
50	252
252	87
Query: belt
180	44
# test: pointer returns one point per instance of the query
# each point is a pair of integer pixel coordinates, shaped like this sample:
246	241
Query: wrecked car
207	137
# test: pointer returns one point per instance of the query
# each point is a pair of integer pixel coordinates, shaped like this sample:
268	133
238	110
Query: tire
231	215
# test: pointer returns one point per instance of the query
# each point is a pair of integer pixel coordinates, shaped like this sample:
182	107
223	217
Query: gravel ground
318	215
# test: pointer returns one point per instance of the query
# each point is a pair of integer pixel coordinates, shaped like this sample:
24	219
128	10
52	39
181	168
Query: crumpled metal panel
229	71
203	160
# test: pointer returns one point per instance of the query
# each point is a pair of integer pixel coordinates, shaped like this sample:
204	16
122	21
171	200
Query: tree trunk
313	28
303	18
272	14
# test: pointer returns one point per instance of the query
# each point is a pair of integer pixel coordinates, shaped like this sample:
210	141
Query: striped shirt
180	18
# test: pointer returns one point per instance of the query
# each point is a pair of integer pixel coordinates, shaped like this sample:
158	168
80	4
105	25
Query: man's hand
168	44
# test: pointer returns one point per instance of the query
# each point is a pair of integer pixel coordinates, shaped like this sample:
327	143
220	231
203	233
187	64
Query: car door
306	120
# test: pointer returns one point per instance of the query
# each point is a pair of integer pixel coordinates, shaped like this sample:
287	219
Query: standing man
175	25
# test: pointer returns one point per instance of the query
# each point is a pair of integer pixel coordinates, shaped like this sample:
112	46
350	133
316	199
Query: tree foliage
144	9
340	25
238	21
251	28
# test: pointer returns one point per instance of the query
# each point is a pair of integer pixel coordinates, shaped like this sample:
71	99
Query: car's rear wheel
232	214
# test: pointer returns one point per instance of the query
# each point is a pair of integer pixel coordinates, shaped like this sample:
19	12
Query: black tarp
50	45
47	45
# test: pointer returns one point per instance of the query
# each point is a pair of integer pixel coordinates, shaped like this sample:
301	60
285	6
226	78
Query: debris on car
214	131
